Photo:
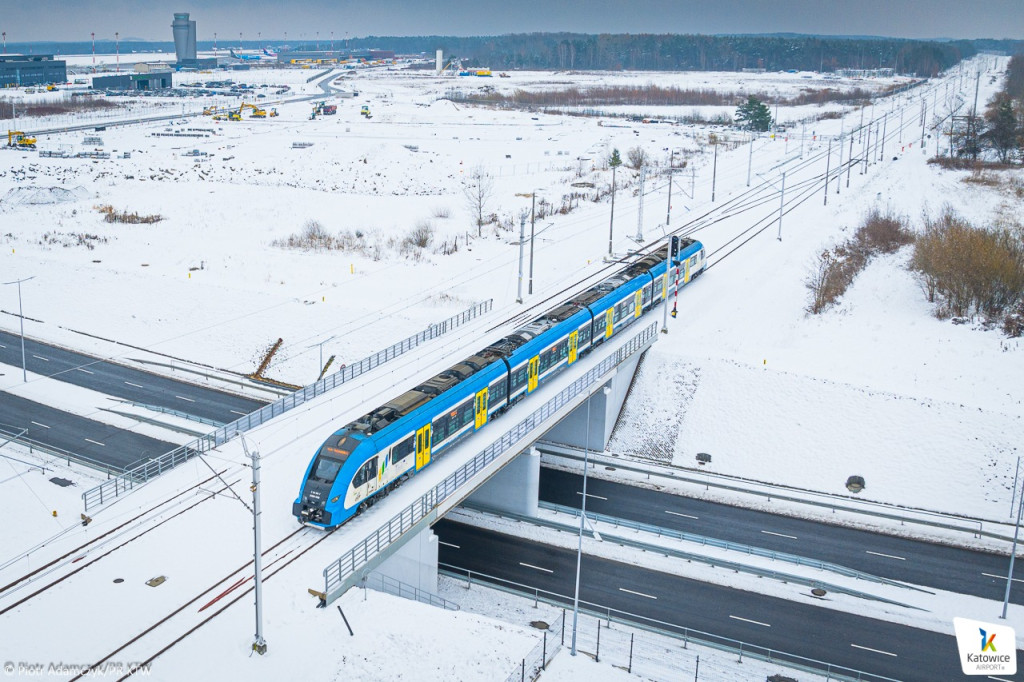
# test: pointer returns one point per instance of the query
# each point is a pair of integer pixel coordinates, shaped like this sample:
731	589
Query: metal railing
535	662
705	541
383	583
831	501
139	475
678	632
338	571
60	453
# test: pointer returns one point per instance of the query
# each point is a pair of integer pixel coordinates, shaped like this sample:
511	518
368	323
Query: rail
141	474
383	583
60	453
749	550
660	627
338	571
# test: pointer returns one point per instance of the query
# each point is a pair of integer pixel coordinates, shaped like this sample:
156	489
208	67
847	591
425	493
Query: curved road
874	646
912	561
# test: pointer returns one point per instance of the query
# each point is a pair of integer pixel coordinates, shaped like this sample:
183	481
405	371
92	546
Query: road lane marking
448	544
237	412
546	570
131	384
877	651
781	535
596	497
999	679
2	346
990	575
90	440
755	622
678	514
84	370
181	397
46	427
40	357
887	556
639	594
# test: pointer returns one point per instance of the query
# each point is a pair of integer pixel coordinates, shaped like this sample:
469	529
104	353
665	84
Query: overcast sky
25	20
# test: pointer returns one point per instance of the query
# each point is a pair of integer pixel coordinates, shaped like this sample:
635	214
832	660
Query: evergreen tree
1002	131
615	160
754	115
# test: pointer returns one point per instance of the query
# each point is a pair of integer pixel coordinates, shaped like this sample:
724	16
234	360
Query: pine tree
1003	131
615	160
754	115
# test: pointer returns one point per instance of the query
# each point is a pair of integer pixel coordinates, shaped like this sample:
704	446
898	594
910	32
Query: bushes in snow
967	270
372	244
834	271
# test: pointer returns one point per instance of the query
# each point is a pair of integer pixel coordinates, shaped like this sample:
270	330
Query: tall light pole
1013	552
93	34
117	51
583	520
640	208
522	238
21	317
259	645
321	346
611	220
671	170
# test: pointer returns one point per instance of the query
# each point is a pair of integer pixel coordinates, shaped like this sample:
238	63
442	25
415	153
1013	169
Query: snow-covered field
929	413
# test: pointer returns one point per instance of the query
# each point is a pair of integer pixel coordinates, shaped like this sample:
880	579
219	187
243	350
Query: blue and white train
364	460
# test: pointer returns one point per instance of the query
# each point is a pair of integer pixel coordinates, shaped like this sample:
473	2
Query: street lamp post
533	222
1013	551
522	238
21	318
611	220
583	519
321	346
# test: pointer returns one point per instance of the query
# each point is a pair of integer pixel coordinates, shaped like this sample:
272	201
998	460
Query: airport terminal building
18	69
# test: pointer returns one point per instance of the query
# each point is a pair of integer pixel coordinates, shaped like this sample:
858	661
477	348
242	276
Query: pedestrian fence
633	642
125	482
383	583
535	662
338	572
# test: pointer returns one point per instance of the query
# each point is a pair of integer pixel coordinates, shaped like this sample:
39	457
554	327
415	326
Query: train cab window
693	261
326	469
366	473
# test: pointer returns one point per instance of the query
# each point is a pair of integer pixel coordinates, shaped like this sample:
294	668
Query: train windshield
332	456
327	469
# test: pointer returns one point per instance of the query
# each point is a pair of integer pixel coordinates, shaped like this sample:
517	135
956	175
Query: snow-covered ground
929	413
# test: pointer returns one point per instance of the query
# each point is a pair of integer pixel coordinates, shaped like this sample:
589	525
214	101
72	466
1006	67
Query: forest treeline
686	52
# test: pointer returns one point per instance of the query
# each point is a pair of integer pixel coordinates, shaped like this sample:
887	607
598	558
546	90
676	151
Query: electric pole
259	645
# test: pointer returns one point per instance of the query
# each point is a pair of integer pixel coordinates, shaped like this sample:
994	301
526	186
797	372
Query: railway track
186	619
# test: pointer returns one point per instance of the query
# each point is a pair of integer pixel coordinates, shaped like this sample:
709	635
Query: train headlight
335	499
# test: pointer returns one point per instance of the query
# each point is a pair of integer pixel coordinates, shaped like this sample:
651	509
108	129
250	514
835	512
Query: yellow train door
664	286
480	406
609	325
531	374
686	271
573	346
638	302
423	447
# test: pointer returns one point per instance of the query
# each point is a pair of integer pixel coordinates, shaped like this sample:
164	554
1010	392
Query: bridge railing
340	570
127	481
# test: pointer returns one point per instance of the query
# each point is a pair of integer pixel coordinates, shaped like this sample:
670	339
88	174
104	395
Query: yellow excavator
16	138
256	111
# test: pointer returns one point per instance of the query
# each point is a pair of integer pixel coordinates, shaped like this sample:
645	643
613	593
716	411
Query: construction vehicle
365	111
18	139
234	116
273	113
330	110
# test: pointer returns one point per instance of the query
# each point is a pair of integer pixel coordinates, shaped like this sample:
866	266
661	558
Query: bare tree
478	188
637	158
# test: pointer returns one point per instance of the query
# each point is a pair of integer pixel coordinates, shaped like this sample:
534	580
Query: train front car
322	500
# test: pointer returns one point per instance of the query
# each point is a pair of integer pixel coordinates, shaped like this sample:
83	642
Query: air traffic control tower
184	37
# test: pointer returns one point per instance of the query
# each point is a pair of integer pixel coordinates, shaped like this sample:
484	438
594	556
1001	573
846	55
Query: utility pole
533	216
865	152
828	168
214	44
259	645
782	200
640	208
714	172
21	317
117	51
750	157
1013	552
611	220
881	144
671	170
522	238
93	34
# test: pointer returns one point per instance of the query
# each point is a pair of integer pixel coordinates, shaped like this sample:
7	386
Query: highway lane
913	561
124	382
877	647
96	441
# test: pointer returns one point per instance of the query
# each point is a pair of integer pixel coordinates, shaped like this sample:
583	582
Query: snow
927	411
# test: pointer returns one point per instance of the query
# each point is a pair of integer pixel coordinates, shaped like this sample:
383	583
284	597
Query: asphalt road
102	443
913	561
123	382
876	647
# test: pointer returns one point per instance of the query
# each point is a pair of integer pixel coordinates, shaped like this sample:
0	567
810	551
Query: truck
330	109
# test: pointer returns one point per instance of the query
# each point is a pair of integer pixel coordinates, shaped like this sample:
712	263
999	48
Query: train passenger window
498	391
466	414
440	429
584	336
402	450
518	378
326	469
562	349
693	261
